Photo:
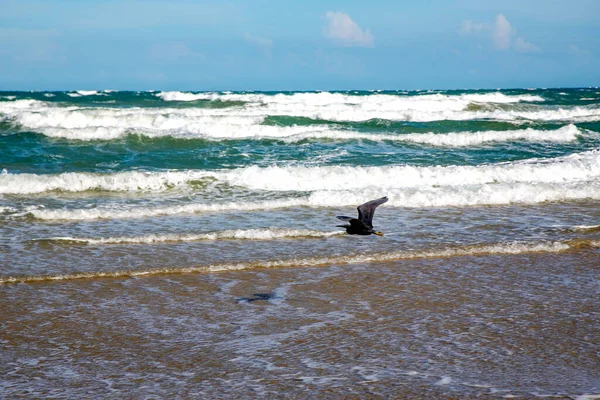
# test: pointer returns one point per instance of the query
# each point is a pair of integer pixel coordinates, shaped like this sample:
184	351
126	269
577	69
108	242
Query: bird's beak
379	233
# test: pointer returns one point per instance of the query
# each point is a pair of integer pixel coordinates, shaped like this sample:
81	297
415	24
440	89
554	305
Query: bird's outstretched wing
367	210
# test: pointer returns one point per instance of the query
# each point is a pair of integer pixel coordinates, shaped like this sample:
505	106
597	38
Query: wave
232	234
586	228
573	172
79	93
407	198
572	168
456	251
88	123
82	182
345	98
186	96
421	108
293	134
45	214
453	139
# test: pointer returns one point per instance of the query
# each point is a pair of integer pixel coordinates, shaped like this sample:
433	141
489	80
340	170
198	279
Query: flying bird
363	225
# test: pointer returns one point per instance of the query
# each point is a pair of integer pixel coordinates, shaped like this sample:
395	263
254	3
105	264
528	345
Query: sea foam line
232	234
145	212
320	98
457	251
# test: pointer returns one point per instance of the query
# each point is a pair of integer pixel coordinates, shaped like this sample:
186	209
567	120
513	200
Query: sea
183	244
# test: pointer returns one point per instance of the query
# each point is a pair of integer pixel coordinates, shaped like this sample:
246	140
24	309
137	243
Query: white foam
329	97
231	129
80	182
416	198
7	209
185	96
444	381
453	139
586	227
427	107
526	182
226	129
144	212
109	123
9	107
84	93
238	122
574	168
234	234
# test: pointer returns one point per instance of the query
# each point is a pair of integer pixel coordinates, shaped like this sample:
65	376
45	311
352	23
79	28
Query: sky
298	45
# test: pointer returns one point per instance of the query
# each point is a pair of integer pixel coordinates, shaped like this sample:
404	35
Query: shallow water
519	324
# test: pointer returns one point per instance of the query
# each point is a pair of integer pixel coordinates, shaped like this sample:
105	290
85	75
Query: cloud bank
345	32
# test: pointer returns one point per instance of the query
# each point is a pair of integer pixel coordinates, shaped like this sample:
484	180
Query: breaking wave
567	178
571	169
345	98
235	130
454	139
241	119
410	198
82	182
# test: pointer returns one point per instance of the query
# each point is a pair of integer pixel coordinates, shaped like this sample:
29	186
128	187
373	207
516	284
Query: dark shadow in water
257	297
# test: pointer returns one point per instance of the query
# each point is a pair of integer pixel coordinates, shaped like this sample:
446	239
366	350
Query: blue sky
298	45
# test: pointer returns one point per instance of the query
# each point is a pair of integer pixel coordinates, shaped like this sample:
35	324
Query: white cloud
344	31
503	35
264	44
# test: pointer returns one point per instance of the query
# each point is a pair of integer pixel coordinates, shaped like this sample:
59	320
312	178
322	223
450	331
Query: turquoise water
56	132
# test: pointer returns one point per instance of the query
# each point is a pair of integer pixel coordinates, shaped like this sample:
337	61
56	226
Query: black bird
364	224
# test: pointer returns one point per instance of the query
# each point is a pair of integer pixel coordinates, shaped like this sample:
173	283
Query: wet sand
489	326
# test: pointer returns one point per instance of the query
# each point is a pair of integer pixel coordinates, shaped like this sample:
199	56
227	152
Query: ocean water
185	244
